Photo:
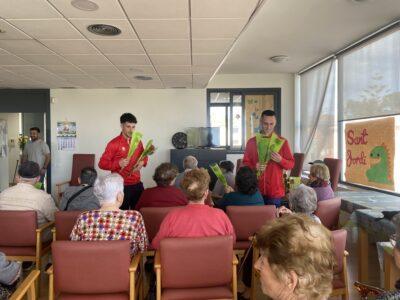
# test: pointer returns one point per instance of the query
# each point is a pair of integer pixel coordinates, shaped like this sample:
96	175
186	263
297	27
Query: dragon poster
370	150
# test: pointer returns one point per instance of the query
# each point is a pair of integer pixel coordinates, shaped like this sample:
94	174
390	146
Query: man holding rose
269	154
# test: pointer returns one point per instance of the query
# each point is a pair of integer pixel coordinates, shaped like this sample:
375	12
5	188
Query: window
236	113
349	107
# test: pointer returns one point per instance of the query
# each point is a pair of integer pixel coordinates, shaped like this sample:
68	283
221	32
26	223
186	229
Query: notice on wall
370	149
66	135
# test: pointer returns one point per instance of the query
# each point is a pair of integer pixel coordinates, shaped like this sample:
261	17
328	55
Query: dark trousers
131	195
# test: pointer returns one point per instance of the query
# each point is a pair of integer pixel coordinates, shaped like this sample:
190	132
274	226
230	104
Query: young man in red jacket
115	159
277	157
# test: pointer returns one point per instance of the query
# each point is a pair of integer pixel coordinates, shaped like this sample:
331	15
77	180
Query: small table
390	269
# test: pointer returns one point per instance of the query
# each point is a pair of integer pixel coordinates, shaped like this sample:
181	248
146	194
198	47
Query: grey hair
106	188
190	162
303	199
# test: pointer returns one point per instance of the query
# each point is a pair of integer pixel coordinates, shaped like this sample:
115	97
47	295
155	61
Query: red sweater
116	150
271	180
194	220
161	196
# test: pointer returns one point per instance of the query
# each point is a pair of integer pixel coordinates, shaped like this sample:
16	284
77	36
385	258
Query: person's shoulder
115	140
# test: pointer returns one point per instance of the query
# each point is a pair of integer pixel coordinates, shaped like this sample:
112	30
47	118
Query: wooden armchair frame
27	287
135	283
158	267
344	292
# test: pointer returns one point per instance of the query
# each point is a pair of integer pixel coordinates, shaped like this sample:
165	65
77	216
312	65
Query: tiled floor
374	272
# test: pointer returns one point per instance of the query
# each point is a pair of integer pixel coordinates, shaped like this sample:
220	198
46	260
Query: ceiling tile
70	46
167	46
27	9
211	45
207	59
174	69
149	84
216	28
156	9
109	9
136	70
119	46
44	59
88	59
162	29
63	69
129	59
177	80
34	72
222	8
203	69
11	32
24	47
100	70
8	59
48	29
127	32
171	59
201	79
82	81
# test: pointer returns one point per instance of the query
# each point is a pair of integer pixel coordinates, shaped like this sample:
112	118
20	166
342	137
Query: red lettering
358	160
359	140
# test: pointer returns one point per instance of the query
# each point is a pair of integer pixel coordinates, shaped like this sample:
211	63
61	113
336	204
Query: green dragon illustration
379	172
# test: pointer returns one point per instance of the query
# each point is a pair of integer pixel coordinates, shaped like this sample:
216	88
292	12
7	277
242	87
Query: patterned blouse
96	225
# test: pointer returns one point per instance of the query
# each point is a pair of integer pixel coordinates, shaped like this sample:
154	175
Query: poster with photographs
3	138
66	135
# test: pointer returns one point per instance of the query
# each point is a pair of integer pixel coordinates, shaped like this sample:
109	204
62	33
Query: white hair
303	199
106	188
190	162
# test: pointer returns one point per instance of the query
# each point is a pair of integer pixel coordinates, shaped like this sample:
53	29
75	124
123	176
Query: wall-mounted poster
370	151
66	135
3	138
254	106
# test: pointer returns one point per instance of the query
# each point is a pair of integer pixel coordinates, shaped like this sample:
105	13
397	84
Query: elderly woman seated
247	190
301	200
196	219
165	193
109	222
297	259
319	180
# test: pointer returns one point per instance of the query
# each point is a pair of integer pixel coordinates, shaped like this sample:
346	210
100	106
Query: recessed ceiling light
279	58
85	5
104	29
142	77
67	87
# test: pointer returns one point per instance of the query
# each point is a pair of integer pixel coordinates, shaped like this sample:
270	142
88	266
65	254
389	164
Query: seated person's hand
229	189
282	211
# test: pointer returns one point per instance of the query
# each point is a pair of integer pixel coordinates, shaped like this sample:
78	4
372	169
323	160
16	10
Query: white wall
7	165
160	114
284	81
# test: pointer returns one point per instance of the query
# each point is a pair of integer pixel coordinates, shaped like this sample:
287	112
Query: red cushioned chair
335	166
21	240
246	221
340	281
196	268
94	270
27	287
64	221
298	165
79	161
328	211
153	217
239	164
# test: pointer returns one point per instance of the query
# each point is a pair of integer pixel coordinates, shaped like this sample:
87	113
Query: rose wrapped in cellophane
135	140
147	151
218	172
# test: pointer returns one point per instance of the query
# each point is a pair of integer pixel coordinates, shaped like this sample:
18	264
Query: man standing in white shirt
37	151
25	196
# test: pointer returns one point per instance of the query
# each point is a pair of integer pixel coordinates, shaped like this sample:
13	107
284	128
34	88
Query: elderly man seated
301	200
165	194
81	197
196	219
189	163
109	222
25	196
